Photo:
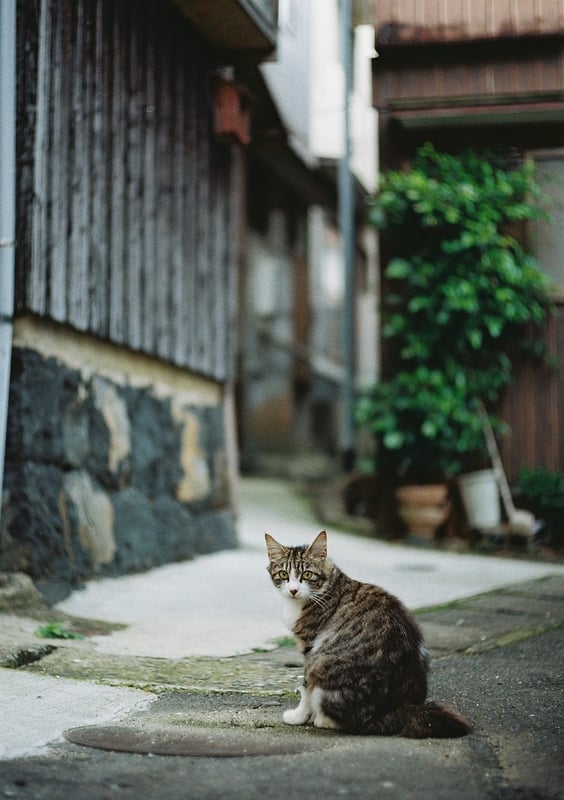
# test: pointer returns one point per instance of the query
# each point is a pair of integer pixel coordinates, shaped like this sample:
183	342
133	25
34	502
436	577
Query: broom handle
496	461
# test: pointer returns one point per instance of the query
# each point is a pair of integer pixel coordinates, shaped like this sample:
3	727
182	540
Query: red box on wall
232	113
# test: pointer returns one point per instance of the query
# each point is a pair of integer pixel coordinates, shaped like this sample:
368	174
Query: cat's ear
318	548
275	549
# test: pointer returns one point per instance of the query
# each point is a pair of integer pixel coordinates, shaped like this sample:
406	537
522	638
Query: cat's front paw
295	716
322	721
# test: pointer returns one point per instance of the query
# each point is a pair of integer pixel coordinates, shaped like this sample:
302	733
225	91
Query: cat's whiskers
320	599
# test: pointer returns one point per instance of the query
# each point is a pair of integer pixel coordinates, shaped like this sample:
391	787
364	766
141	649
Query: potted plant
424	423
460	291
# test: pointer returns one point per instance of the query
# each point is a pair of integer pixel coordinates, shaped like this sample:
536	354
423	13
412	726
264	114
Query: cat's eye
308	575
282	575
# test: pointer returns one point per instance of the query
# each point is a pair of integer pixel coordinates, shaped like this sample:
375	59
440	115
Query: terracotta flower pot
423	508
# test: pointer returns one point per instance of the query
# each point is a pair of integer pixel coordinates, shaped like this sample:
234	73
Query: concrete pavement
224	604
182	667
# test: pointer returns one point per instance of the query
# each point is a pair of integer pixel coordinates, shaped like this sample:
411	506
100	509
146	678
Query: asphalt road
125	695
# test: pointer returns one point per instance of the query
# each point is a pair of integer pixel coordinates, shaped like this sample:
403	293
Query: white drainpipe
7	207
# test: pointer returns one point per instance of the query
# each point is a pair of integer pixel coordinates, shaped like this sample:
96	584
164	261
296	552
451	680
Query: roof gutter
7	207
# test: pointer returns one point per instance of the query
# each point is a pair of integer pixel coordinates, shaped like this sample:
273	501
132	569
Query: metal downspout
346	213
7	207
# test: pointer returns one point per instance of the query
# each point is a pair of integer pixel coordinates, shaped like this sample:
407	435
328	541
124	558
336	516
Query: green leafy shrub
461	293
423	421
541	489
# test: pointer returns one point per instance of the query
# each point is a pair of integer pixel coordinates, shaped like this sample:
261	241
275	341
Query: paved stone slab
36	709
240	674
551	586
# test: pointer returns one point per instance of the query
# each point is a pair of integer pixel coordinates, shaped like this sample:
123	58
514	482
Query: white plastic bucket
480	496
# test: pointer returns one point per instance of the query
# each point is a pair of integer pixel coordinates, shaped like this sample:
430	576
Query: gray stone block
39	527
107	479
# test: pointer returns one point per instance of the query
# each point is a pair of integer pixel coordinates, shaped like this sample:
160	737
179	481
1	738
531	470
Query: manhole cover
172	742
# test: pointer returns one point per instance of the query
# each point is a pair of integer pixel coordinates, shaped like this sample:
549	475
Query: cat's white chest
291	611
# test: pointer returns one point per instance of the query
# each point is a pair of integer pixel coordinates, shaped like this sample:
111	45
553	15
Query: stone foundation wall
112	466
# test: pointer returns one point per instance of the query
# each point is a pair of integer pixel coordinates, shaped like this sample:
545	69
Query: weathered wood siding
452	55
533	408
454	77
127	212
419	21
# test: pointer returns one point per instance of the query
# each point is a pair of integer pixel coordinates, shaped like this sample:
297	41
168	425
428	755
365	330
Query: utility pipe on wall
346	212
7	207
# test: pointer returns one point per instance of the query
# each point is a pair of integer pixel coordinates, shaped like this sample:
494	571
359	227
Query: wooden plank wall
487	59
533	409
127	212
455	76
405	21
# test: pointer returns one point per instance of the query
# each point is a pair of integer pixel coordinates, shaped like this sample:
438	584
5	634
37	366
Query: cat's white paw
321	721
295	716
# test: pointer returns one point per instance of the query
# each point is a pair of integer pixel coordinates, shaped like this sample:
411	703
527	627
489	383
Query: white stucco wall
307	81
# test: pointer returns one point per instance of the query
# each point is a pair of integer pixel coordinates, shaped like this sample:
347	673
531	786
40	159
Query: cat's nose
293	592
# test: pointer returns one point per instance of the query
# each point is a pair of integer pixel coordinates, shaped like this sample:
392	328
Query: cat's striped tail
432	720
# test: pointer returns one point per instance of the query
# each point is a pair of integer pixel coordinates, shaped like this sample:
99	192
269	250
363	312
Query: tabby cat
365	661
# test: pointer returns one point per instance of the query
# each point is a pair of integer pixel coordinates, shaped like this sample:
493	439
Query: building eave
237	28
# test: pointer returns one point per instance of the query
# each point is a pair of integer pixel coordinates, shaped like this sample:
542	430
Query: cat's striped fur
365	661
